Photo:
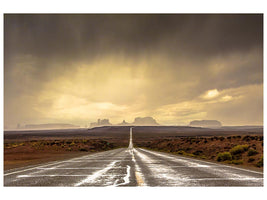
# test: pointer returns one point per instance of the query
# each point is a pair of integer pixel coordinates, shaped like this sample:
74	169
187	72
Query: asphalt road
132	167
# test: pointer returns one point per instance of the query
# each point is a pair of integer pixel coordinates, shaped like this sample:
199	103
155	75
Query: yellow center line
140	181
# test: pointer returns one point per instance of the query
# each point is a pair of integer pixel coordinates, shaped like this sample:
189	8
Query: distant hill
206	123
50	126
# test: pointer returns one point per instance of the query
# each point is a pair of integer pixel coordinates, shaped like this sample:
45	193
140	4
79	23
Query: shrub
224	156
203	157
190	154
83	149
260	163
72	144
239	149
237	162
252	152
247	138
85	141
237	157
181	152
198	152
251	160
252	137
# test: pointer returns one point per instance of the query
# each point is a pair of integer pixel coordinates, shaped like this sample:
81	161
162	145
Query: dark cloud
161	59
90	35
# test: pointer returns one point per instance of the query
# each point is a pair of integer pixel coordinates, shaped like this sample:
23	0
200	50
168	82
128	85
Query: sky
174	68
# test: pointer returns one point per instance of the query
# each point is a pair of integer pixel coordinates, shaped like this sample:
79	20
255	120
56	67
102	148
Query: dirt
23	153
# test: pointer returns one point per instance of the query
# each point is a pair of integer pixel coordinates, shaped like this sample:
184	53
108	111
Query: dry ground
22	153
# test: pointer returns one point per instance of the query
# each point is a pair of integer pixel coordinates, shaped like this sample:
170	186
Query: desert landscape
236	146
158	100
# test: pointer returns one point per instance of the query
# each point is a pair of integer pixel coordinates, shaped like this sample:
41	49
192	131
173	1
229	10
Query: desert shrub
260	163
203	157
238	149
237	157
181	152
72	144
190	154
15	145
221	138
83	149
198	152
246	137
237	162
252	137
252	152
193	140
229	137
251	160
85	141
224	156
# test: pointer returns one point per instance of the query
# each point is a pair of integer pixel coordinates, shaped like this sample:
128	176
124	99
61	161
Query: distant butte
206	123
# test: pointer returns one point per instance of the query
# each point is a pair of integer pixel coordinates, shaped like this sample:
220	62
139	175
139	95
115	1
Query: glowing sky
175	68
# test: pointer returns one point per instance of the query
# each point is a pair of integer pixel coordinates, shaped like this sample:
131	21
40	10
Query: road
132	167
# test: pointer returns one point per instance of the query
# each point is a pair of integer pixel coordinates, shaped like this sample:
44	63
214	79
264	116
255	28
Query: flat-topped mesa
100	122
206	123
145	121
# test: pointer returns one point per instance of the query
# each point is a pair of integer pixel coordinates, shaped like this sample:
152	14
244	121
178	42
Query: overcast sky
175	68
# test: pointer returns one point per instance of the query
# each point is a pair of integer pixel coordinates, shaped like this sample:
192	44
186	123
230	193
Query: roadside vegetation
238	150
61	145
22	153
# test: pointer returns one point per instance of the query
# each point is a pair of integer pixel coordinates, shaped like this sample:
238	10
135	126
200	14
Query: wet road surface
132	167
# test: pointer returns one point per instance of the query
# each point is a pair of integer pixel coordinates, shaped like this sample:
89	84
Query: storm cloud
76	68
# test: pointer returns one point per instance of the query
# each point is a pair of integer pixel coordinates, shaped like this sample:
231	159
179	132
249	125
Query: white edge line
54	163
173	156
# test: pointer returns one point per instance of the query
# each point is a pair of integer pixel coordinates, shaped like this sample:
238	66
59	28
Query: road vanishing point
132	167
